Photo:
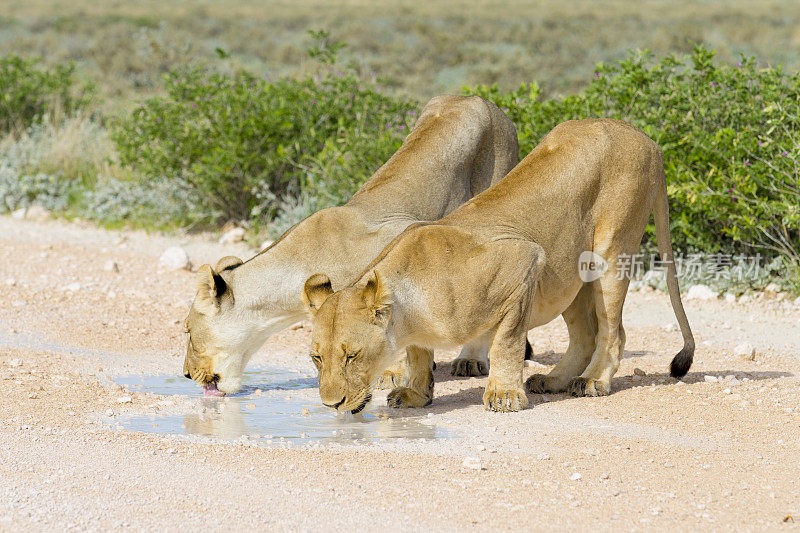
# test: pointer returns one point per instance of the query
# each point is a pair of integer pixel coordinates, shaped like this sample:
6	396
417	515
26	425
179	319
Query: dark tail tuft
528	350
681	362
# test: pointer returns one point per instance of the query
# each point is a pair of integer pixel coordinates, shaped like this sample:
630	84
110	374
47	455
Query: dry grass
424	47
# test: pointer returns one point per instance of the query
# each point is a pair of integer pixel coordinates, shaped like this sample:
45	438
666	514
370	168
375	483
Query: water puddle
274	406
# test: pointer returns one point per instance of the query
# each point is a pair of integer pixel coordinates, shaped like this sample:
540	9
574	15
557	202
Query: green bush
730	136
244	144
29	92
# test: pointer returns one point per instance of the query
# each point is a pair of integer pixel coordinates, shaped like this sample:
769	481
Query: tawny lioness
458	148
503	263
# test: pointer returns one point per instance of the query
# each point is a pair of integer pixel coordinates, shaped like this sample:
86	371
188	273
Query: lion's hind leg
609	297
582	326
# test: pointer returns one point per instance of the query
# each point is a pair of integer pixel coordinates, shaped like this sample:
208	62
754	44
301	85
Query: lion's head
351	342
218	346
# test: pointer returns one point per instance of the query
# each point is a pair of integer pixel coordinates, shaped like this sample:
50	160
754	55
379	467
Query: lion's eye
352	355
317	359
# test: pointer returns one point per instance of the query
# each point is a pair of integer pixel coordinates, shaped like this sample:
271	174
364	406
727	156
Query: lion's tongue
210	389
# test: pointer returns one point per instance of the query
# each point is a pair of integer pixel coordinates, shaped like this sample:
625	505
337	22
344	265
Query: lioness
458	148
499	265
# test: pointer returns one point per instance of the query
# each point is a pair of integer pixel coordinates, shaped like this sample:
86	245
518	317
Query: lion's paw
393	378
588	387
505	400
406	397
540	384
469	367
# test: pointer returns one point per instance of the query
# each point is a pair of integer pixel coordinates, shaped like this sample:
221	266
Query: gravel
65	465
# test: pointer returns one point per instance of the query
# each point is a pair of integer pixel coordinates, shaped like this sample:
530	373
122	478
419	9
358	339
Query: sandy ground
721	454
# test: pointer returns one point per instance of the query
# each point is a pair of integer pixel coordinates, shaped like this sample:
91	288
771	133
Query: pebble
15	363
72	287
575	477
37	213
772	288
175	258
11	282
110	412
231	236
701	292
744	298
711	379
726	391
473	463
124	399
746	351
730	297
18	214
111	266
636	377
639	372
670	327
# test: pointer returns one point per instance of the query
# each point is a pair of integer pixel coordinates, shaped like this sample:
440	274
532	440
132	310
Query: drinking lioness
459	146
501	264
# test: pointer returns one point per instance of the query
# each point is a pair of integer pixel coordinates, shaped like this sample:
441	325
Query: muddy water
274	405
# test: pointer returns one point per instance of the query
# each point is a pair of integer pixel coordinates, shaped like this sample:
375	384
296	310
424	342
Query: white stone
726	391
744	298
37	213
232	236
11	282
636	378
670	327
730	297
773	288
575	477
701	292
175	258
19	214
473	463
110	412
111	266
746	351
72	287
124	399
711	379
15	363
265	245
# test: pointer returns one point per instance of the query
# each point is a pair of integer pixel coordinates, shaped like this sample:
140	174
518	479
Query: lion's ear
208	291
317	288
227	263
377	297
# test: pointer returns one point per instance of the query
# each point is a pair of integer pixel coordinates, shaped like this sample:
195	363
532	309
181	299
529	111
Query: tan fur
503	263
458	148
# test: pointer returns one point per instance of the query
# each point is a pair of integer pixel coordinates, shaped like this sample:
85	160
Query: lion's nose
336	405
187	375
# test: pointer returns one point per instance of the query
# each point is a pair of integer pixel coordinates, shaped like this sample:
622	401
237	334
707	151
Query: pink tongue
210	389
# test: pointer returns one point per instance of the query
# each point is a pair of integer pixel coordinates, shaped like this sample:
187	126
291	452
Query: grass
426	48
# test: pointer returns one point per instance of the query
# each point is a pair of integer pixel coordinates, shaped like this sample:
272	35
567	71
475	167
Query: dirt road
719	450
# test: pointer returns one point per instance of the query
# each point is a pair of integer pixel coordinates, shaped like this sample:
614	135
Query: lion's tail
683	360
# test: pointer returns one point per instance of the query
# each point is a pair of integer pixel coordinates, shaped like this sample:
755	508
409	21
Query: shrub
730	136
243	144
29	92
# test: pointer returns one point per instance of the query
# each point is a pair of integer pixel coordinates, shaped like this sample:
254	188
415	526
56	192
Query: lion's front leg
419	391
